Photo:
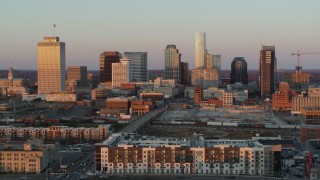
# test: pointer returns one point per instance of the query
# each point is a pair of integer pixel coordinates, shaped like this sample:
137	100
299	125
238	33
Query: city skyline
232	31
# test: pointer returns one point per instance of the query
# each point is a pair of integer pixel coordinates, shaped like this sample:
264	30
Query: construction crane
299	54
298	76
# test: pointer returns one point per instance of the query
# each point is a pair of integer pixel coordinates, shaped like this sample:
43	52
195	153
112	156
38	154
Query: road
74	172
137	123
183	177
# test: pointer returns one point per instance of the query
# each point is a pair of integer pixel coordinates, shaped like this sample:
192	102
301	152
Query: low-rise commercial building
165	82
157	97
99	93
309	132
282	99
198	92
115	106
61	97
311	115
167	91
132	87
189	92
150	155
302	102
141	107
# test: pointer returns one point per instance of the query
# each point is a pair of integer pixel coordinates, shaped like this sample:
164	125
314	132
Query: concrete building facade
304	102
151	155
26	157
121	72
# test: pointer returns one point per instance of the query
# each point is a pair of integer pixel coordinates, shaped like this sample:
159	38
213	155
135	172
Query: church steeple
10	73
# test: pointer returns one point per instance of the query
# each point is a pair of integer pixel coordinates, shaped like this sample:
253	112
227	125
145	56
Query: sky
233	28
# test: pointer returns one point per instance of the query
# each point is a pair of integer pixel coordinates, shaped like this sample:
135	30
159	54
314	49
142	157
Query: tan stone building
51	66
11	86
30	157
302	102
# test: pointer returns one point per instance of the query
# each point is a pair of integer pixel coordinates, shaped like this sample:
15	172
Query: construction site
244	116
242	122
216	132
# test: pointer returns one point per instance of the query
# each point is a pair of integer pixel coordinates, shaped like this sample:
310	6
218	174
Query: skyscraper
106	60
77	73
200	50
216	62
204	77
172	62
121	72
267	67
51	66
139	65
213	62
239	71
184	70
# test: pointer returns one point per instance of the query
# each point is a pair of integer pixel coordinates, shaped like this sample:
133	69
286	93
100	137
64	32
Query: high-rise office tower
267	69
216	62
92	80
239	71
121	72
51	66
200	50
139	65
172	60
77	73
204	77
213	62
184	69
106	60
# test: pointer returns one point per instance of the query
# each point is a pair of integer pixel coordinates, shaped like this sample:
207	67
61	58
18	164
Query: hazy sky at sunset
233	28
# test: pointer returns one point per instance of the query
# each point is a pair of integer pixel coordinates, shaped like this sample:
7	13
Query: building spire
10	73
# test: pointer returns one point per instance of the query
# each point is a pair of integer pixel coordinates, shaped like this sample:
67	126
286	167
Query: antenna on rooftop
54	29
261	39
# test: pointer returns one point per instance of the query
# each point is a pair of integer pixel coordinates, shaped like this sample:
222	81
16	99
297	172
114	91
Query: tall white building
200	50
51	66
138	60
121	72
